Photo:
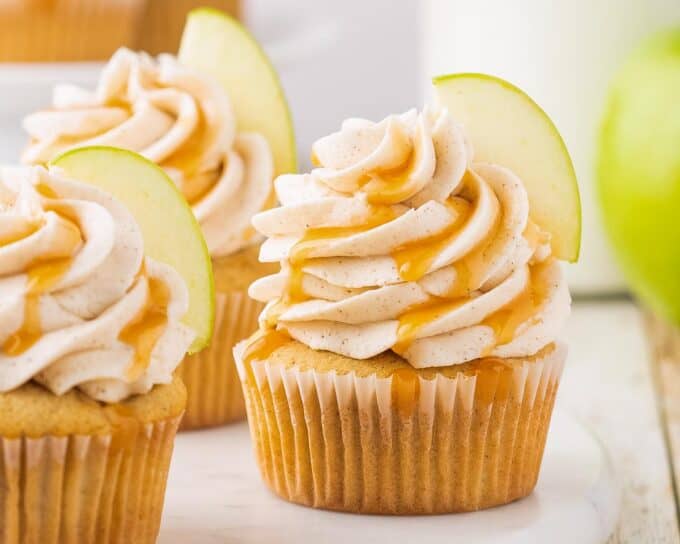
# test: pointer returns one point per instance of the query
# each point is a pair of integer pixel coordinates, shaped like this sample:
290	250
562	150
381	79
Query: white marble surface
215	495
608	382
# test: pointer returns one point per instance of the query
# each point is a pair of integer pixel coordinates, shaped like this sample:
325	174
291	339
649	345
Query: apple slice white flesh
171	233
508	128
218	46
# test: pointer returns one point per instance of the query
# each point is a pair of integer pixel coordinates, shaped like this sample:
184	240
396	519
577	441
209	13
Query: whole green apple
639	172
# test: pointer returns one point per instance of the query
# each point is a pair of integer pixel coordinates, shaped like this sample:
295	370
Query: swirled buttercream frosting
398	240
80	304
178	119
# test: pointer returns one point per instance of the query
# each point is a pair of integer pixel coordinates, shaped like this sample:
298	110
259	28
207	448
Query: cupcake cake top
178	119
399	241
81	306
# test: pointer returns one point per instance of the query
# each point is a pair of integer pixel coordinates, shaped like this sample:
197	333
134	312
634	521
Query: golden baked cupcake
407	361
91	331
184	121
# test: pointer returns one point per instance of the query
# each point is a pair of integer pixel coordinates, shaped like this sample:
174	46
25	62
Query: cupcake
407	359
91	332
90	30
67	30
182	121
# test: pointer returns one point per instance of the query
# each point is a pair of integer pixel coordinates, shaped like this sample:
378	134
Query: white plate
215	495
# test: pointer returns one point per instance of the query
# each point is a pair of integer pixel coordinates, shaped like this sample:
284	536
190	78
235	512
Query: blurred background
606	71
369	59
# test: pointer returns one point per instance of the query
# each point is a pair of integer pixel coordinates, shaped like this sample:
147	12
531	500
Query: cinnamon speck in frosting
399	241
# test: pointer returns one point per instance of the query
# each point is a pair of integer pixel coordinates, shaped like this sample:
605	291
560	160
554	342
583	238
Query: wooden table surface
623	379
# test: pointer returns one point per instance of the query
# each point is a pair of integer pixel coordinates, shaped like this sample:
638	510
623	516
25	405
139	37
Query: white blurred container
339	59
25	88
563	53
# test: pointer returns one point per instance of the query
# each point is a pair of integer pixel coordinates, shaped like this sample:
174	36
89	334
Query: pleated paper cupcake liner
86	489
164	20
214	389
402	445
67	30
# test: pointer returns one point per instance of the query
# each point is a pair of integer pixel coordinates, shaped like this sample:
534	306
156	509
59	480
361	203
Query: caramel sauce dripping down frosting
79	288
481	246
42	275
26	230
405	390
505	321
187	159
415	259
142	333
146	328
263	343
41	278
299	257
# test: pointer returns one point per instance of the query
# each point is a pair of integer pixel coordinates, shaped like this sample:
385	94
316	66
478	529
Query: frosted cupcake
182	121
407	360
90	335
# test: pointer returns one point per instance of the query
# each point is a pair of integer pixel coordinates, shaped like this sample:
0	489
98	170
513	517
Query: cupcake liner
164	21
86	489
67	30
213	385
402	444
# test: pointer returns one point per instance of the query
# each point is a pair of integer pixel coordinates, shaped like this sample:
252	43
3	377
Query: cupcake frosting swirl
177	119
80	304
398	240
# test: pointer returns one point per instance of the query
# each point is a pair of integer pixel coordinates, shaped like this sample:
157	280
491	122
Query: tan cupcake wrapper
67	30
374	445
85	489
87	30
213	385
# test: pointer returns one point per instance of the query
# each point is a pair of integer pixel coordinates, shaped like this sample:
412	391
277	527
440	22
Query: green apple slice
219	46
171	233
508	128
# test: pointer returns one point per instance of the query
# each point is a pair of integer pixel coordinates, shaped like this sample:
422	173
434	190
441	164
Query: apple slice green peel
170	230
217	45
508	128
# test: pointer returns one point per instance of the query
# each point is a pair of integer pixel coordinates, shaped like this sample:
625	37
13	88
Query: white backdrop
564	54
339	59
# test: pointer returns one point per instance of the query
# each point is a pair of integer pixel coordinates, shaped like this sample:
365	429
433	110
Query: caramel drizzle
405	390
391	186
316	238
411	321
141	333
504	322
522	309
27	229
385	186
414	261
267	340
263	343
42	275
187	159
146	328
40	279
